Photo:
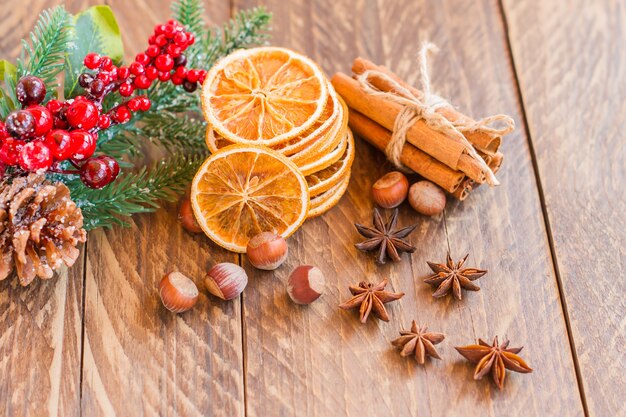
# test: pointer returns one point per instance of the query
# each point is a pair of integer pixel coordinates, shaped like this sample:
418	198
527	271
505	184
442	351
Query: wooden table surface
97	341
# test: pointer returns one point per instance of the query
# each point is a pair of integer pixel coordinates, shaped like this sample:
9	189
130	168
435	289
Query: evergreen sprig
175	132
49	42
132	193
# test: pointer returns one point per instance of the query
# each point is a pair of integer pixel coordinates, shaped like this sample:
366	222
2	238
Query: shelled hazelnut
390	190
178	293
305	284
267	251
226	280
427	198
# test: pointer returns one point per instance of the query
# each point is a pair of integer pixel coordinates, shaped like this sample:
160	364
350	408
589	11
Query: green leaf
95	30
7	70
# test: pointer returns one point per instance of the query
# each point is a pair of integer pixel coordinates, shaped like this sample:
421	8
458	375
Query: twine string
424	106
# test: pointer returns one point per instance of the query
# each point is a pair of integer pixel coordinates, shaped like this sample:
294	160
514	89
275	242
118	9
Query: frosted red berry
136	68
180	39
104	121
142	58
193	75
34	156
164	62
60	144
145	103
95	173
123	73
122	114
82	114
54	106
43	119
126	89
134	104
112	164
106	63
30	90
174	50
160	40
20	124
85	144
164	76
92	60
3	131
10	150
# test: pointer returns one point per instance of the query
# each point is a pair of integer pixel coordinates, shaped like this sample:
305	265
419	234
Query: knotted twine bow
424	106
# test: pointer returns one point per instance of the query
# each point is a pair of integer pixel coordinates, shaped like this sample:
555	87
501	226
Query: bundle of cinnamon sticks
435	156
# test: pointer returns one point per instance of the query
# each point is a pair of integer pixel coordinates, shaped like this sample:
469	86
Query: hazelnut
178	293
226	280
186	218
426	198
390	190
306	284
267	250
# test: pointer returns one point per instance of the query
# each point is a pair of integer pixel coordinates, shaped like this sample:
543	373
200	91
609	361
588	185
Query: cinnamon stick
467	185
482	141
384	112
418	161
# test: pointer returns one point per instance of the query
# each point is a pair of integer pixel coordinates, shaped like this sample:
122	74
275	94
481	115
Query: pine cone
40	227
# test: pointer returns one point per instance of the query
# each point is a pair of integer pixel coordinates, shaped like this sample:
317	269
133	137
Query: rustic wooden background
97	342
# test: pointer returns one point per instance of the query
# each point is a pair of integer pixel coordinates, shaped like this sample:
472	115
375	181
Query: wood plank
139	359
40	341
318	360
571	66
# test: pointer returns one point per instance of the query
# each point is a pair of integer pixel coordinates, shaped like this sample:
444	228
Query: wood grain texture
41	325
571	66
140	359
320	361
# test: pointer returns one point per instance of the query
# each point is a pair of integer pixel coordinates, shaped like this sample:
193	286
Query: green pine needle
175	132
189	14
132	193
49	41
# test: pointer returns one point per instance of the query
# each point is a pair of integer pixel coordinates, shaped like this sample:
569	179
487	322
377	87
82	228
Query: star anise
495	358
418	341
384	238
371	298
450	277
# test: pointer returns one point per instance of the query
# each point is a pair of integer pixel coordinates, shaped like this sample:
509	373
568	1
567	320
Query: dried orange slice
242	191
263	96
327	178
324	202
329	158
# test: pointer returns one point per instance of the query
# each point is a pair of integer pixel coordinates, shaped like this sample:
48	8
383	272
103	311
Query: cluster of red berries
40	138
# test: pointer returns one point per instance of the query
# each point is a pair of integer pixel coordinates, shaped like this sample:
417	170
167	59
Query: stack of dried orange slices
282	149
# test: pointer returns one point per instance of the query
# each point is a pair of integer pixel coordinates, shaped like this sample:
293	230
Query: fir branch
49	41
175	132
189	14
132	193
246	29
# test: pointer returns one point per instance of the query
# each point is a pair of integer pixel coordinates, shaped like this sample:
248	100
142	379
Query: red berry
136	68
10	150
43	119
35	156
142	58
164	62
97	88
104	121
54	106
142	82
176	80
145	103
92	60
202	76
30	90
159	29
164	76
134	104
106	63
181	72
180	39
153	51
122	114
169	31
95	173
174	50
84	144
160	40
60	124
193	75
60	144
20	124
191	38
152	73
112	164
105	77
123	73
151	39
82	114
126	89
3	131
